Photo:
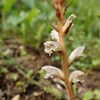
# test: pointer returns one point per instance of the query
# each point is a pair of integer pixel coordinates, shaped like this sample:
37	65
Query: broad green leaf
16	19
8	4
32	14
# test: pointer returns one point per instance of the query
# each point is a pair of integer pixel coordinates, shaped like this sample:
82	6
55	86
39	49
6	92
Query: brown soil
31	88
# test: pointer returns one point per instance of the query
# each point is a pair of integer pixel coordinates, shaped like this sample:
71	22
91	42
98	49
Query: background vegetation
29	22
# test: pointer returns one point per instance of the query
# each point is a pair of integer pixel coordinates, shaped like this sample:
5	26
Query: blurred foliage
56	92
86	31
92	95
30	21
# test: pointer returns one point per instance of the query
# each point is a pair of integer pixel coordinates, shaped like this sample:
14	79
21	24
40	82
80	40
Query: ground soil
31	88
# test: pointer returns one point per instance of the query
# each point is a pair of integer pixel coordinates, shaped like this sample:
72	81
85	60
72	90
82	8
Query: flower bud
68	23
55	35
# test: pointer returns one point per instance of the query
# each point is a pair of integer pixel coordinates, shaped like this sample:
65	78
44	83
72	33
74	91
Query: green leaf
57	93
96	62
19	83
88	95
10	62
42	73
29	73
4	70
32	14
98	15
14	76
8	4
97	94
15	19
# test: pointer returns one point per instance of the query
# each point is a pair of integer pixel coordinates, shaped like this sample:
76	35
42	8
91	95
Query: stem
60	8
66	71
65	66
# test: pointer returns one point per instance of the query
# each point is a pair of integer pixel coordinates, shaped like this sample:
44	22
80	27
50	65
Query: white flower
55	35
77	77
51	47
54	73
78	52
68	23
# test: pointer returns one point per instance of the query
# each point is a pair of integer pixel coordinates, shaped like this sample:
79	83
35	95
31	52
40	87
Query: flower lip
54	73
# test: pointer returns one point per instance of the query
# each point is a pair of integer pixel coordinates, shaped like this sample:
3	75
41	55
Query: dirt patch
17	59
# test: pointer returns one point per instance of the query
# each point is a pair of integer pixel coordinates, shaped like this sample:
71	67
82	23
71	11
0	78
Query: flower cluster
54	73
57	75
54	46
